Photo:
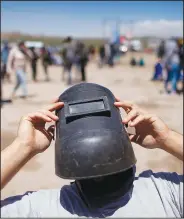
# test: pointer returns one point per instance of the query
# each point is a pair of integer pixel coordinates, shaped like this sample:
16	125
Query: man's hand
151	132
32	138
32	132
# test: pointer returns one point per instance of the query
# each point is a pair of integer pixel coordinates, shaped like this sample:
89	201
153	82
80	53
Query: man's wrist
163	141
24	148
164	144
174	144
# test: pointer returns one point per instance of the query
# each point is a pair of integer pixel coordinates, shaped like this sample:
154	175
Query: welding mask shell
91	140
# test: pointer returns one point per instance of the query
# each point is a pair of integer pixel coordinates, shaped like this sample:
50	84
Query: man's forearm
174	144
13	158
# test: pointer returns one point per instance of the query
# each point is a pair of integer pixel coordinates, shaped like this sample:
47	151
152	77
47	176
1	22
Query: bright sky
84	19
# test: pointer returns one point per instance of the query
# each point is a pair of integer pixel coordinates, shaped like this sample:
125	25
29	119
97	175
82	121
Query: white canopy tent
35	44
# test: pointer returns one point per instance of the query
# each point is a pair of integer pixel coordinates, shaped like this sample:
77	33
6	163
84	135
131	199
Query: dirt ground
126	82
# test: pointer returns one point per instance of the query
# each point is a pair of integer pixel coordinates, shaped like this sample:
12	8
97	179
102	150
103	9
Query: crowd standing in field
74	56
170	60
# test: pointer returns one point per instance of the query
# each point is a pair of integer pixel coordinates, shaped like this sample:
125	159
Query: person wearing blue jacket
171	62
158	75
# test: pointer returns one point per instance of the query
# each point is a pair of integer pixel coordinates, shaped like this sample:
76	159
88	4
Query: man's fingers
117	99
150	117
51	131
40	116
131	137
137	120
55	106
55	100
124	104
45	115
49	114
131	115
135	138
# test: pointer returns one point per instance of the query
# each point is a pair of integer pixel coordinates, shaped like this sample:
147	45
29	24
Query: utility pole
105	23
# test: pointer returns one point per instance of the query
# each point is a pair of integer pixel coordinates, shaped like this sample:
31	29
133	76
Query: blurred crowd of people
170	62
75	56
14	62
109	54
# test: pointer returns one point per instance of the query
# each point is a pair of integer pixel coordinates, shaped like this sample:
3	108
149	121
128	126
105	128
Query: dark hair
32	48
69	39
21	43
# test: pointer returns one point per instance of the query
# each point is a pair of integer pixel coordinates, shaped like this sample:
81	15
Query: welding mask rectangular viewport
91	140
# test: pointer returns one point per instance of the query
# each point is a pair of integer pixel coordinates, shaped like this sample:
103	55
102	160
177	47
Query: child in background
158	75
133	62
141	62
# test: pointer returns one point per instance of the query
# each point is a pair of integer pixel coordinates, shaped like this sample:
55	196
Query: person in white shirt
17	59
150	194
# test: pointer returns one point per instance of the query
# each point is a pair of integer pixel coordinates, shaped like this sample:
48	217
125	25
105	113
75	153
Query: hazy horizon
86	19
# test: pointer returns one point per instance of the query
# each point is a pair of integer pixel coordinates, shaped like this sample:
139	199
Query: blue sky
85	18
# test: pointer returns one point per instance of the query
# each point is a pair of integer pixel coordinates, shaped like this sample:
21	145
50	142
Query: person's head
68	39
92	145
159	60
82	45
180	42
5	44
32	49
162	42
21	45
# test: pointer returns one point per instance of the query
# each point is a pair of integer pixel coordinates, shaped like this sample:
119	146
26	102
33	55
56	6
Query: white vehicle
136	45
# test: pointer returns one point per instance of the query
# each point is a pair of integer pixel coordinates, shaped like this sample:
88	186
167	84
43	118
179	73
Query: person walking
181	48
17	60
46	61
171	61
4	59
34	61
83	59
102	56
68	53
161	50
112	55
107	51
77	59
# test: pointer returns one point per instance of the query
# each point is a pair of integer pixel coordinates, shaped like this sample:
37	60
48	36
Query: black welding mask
91	140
